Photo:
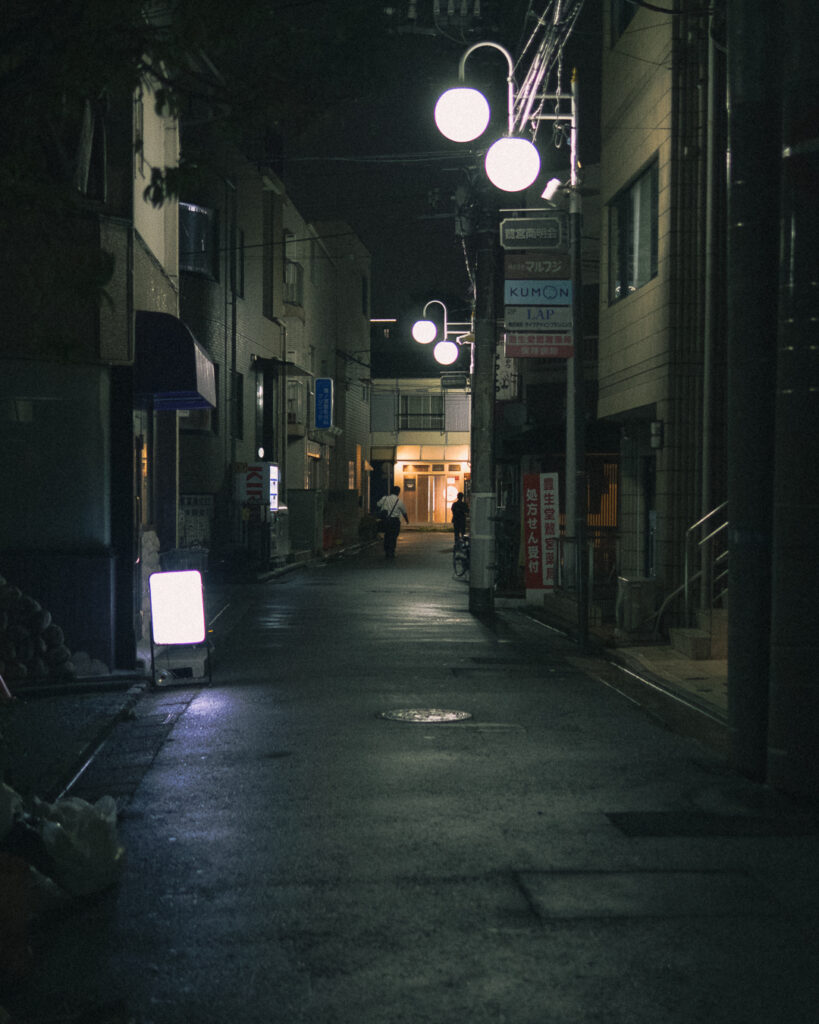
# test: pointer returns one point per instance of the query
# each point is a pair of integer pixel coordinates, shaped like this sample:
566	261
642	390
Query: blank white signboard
177	607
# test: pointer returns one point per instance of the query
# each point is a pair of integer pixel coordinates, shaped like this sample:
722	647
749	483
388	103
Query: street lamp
462	114
426	331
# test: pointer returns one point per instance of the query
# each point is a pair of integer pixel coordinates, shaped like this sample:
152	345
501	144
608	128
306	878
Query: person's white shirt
392	505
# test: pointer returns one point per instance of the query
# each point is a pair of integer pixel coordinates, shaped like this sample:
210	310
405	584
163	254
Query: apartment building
661	361
420	440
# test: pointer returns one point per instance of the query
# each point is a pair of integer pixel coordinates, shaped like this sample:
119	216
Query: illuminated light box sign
524	292
554	319
324	403
177	608
533	266
538	346
541	531
549	232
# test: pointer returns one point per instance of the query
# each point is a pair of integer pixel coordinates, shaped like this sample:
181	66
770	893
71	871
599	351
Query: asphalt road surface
293	856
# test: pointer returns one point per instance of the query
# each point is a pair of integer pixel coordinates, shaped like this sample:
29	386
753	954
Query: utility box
635	602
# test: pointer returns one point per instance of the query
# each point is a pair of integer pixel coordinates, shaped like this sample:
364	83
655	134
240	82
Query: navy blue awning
171	367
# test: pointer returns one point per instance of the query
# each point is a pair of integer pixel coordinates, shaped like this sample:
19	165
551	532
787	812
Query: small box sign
536	266
324	403
523	292
554	319
545	232
539	346
541	531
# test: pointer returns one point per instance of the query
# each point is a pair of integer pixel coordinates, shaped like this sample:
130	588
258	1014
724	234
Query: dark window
198	241
293	283
633	236
421	412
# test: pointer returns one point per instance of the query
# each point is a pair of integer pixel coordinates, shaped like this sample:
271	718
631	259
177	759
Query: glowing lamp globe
445	352
424	331
462	114
512	164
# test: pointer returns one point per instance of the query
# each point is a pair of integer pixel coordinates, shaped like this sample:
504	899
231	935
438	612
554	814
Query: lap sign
177	607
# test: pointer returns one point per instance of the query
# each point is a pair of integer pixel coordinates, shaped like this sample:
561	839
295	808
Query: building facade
420	440
661	363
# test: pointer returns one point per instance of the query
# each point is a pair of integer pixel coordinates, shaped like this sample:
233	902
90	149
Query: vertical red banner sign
541	528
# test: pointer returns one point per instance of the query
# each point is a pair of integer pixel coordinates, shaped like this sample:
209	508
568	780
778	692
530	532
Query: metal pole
754	137
578	406
482	498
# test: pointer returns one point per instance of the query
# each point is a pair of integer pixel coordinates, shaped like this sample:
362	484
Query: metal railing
706	561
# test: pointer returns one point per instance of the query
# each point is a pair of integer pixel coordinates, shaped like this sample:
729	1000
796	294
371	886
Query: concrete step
715	623
693	643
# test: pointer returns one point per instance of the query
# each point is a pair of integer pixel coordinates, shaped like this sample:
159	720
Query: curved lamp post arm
510	81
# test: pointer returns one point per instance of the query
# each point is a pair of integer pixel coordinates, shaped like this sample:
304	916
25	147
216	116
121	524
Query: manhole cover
425	715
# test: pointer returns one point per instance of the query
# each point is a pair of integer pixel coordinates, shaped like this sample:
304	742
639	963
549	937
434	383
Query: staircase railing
706	564
706	561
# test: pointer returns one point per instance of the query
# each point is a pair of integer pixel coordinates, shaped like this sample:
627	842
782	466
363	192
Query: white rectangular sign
519	292
554	319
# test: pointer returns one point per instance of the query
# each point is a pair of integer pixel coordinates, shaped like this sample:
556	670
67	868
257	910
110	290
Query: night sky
381	165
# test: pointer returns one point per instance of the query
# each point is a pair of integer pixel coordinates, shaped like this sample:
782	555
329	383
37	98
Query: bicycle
460	557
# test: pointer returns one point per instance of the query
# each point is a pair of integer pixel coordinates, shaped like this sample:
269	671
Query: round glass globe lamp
445	352
462	114
424	331
512	164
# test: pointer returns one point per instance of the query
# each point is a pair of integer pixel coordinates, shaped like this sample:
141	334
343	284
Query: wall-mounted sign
544	232
523	292
539	346
536	266
554	319
273	486
251	483
324	403
541	530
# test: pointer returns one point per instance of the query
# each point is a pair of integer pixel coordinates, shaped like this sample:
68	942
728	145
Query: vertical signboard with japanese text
324	403
541	529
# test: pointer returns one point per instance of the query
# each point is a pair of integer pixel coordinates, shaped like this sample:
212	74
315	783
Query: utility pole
793	750
579	381
754	139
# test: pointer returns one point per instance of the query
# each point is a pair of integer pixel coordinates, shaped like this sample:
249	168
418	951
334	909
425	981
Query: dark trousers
391	530
459	530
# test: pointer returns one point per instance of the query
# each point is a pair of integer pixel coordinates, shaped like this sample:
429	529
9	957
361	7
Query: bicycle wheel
460	562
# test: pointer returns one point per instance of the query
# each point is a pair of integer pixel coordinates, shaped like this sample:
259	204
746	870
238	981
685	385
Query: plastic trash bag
11	804
82	841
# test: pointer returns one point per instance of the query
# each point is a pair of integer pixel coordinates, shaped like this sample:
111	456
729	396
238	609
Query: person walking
393	508
459	510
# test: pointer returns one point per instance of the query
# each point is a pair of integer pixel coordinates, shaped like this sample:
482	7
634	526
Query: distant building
420	440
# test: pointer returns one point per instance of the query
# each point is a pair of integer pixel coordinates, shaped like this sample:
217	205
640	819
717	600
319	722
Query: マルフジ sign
536	266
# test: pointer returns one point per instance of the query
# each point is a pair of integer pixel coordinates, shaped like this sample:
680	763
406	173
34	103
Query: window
293	283
198	242
421	412
633	236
